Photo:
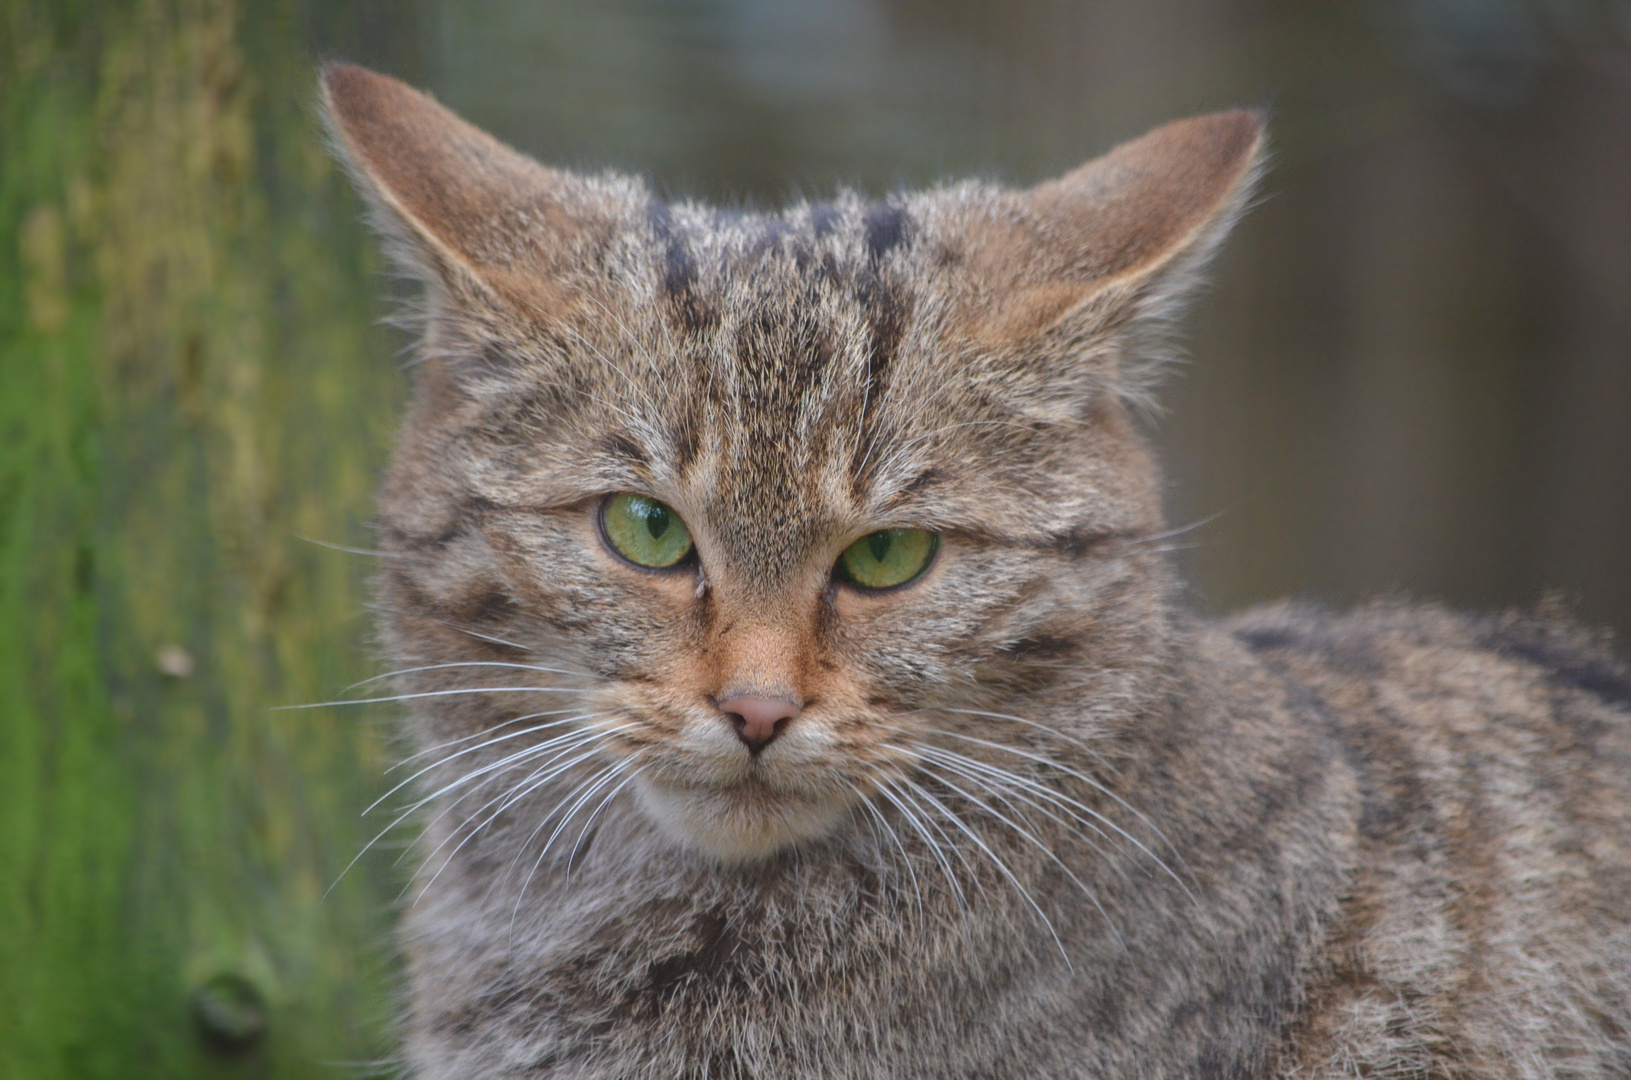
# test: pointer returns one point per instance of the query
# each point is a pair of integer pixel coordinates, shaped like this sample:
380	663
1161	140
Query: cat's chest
801	973
726	945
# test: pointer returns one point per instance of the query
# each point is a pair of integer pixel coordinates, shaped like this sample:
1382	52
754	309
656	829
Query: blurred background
1412	374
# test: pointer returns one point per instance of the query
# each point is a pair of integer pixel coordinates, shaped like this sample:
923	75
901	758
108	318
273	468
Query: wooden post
191	383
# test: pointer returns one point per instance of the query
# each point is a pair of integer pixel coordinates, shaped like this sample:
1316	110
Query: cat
798	686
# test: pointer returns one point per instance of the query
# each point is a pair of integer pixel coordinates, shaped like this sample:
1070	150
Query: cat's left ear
463	211
1114	240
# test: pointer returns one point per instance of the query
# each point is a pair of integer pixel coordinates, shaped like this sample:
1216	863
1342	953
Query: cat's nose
759	719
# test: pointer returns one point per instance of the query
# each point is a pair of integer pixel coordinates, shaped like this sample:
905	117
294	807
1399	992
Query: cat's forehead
816	240
786	331
791	313
792	381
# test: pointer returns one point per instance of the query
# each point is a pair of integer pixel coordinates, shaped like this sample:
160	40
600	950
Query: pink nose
759	719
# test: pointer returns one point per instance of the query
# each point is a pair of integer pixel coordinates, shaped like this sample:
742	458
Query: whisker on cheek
481	746
1002	867
588	789
876	815
468	664
920	825
521	755
582	833
465	691
487	638
1030	837
1096	785
520	791
477	735
1035	795
418	804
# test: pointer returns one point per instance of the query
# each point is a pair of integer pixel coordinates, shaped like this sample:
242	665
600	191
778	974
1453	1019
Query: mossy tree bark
190	384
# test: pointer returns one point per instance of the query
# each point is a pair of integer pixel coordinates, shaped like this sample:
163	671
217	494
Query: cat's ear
1119	237
461	208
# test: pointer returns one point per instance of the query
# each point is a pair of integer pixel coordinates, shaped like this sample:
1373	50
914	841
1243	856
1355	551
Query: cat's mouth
702	788
748	818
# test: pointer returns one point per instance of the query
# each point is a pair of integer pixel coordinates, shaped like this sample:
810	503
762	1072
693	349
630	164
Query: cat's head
777	496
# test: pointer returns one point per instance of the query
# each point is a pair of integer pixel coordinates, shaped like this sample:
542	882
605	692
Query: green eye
644	531
888	557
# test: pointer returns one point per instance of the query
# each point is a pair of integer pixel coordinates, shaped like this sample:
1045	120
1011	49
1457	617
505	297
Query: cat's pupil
656	520
878	544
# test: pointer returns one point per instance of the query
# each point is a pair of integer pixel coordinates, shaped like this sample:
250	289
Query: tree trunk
190	387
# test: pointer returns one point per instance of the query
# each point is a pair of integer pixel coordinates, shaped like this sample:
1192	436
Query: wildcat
798	687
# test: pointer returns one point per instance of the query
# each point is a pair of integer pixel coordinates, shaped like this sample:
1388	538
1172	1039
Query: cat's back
1486	930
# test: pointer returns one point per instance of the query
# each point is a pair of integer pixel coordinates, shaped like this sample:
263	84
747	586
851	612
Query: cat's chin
740	823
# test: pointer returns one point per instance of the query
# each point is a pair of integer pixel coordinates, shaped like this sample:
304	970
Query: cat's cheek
898	642
641	614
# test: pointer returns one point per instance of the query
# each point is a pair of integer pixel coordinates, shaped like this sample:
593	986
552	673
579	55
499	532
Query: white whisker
877	815
604	778
436	694
1036	842
921	824
1191	527
1001	866
414	807
479	636
603	804
480	734
562	745
1021	787
509	799
348	550
588	787
438	763
519	755
1045	729
1066	770
466	664
1031	787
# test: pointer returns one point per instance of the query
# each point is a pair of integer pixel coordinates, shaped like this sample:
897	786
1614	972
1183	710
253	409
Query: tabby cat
798	688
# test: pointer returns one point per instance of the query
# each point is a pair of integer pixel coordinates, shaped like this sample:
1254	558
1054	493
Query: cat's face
774	495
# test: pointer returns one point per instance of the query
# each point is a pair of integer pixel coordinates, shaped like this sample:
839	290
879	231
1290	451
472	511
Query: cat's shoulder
1490	843
1427	648
1414	689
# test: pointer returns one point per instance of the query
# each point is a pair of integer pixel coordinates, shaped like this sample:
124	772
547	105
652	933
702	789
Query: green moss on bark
190	383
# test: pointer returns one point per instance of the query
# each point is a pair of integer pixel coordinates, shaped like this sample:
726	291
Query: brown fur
1033	820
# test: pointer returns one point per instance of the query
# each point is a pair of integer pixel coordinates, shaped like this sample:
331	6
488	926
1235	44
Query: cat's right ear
459	208
1099	259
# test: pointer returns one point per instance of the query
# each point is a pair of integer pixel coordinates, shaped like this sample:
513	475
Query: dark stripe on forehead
887	308
885	229
679	272
619	445
886	305
823	220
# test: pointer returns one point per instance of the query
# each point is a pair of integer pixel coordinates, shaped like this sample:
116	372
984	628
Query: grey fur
1034	820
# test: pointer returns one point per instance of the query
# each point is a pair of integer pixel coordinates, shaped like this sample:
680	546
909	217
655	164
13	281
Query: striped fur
1033	820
